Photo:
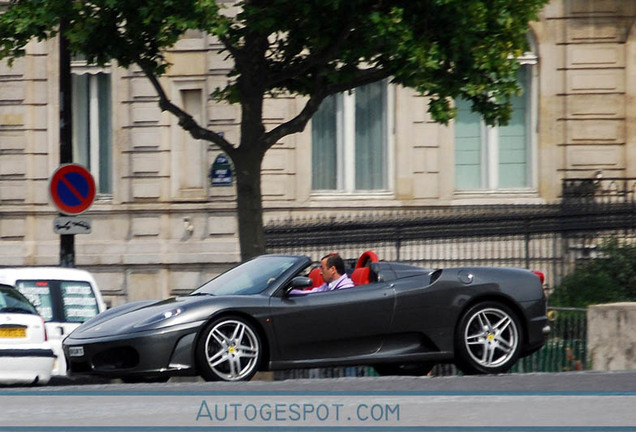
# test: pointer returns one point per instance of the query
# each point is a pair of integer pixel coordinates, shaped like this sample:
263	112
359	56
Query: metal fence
566	348
548	238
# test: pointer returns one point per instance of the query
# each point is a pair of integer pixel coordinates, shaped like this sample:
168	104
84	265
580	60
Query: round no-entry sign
72	189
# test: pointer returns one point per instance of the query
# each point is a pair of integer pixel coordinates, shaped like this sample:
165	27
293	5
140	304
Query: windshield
11	301
251	277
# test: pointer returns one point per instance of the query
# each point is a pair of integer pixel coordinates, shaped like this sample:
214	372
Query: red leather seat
316	277
366	259
362	273
361	276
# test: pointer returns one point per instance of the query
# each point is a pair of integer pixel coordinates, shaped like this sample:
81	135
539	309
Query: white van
65	297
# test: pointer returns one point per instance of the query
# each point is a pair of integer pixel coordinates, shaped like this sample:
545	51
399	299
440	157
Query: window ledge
362	195
360	199
510	196
103	197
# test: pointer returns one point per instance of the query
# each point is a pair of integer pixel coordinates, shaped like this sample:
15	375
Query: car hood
146	315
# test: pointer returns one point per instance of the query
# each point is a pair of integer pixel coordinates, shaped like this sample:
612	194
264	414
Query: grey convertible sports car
399	318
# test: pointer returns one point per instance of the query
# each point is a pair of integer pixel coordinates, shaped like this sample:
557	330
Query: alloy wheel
491	337
232	350
488	340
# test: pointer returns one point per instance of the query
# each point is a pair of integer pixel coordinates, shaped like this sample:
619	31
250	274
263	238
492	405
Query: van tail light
541	276
46	335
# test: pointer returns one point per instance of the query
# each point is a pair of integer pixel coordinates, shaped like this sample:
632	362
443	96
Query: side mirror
299	282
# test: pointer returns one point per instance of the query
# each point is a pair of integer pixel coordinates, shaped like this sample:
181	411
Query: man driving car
332	269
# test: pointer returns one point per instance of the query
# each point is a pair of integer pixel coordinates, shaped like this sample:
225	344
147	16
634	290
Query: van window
39	294
79	302
60	301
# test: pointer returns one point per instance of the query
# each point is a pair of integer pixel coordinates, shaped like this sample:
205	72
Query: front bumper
150	353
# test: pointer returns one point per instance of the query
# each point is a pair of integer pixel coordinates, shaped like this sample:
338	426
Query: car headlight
160	317
171	313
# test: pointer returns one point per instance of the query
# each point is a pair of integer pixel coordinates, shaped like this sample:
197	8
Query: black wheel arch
240	314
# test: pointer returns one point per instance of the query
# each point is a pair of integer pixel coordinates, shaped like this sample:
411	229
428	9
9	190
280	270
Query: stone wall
611	336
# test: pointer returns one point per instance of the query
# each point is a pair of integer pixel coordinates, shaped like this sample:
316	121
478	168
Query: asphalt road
575	401
585	381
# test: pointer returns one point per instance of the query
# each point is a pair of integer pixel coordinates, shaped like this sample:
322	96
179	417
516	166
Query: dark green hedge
611	277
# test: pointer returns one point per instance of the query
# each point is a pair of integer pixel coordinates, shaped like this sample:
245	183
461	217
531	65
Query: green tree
314	48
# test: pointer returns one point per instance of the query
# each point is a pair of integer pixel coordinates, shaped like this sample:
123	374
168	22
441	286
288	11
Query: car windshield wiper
201	294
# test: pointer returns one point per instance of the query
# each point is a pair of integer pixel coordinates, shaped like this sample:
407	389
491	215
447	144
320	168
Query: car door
333	324
426	312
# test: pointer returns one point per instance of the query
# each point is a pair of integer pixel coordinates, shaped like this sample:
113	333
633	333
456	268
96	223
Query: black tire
407	369
229	349
488	339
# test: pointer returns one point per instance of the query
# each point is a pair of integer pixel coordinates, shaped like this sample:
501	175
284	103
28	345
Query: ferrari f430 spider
399	318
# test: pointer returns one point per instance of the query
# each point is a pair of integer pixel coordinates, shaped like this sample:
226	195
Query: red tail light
541	276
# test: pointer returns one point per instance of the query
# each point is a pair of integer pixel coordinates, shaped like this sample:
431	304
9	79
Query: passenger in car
332	268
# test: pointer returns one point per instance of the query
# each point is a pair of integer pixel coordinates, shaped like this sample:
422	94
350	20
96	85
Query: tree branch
227	43
186	121
364	77
298	123
313	60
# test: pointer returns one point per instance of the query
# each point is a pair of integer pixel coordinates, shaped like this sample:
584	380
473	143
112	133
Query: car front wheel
229	349
488	339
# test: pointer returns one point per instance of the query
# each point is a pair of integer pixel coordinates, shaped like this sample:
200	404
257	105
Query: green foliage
102	30
610	278
443	48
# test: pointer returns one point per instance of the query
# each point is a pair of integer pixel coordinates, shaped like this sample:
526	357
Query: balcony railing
599	190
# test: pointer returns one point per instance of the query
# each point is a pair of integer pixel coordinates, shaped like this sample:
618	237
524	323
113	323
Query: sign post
72	190
67	242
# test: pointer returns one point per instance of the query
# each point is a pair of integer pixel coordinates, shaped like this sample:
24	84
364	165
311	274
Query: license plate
77	351
12	332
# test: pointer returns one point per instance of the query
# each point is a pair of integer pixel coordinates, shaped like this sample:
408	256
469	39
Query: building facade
159	225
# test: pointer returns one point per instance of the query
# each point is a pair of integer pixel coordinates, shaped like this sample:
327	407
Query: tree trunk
248	157
249	203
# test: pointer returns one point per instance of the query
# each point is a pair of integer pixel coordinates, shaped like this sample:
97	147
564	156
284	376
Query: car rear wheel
407	369
488	339
229	349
